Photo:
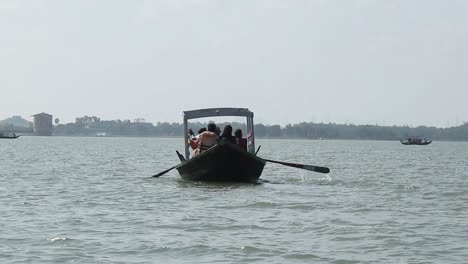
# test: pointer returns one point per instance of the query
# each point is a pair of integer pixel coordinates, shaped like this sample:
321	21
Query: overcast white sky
362	62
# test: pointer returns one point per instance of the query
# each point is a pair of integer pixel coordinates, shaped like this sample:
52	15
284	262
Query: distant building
42	124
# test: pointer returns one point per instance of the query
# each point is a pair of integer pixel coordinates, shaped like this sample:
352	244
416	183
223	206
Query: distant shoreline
257	138
95	127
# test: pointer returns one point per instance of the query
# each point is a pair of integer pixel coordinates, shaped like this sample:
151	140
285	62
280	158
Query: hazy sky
363	62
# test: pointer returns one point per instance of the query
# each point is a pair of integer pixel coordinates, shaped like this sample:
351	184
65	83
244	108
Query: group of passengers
207	138
416	140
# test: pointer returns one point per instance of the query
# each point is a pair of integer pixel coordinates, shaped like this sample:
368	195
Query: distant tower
42	124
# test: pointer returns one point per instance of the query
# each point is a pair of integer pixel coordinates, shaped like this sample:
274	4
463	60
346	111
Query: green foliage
16	124
16	121
92	126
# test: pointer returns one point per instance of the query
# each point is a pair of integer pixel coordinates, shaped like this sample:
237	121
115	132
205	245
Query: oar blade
316	169
301	166
181	157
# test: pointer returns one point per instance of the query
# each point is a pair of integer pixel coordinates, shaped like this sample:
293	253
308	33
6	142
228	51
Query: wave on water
53	239
95	202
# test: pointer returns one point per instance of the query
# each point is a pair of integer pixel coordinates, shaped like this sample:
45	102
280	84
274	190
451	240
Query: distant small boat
7	135
416	141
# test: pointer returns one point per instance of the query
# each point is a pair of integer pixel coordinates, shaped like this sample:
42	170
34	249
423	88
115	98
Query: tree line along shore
94	126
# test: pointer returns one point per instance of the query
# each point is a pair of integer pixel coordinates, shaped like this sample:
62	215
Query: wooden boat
415	141
224	161
6	135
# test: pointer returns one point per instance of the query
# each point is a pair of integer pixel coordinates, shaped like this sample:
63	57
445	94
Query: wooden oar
171	168
301	166
181	157
258	150
163	172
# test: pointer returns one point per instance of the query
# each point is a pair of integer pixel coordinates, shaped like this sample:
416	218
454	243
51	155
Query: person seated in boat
240	141
193	140
201	130
218	131
227	135
206	140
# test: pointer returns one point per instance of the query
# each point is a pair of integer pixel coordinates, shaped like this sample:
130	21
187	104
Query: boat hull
224	162
7	137
421	143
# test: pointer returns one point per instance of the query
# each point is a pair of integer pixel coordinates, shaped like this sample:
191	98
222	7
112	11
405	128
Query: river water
92	200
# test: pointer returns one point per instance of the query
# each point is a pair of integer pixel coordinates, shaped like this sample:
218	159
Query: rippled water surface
92	200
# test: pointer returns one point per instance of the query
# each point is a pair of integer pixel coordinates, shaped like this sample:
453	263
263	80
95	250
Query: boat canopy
226	111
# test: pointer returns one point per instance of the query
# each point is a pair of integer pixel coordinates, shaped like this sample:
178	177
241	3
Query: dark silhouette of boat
224	161
6	135
415	141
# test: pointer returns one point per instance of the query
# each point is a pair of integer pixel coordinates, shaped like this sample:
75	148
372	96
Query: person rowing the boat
193	140
206	140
